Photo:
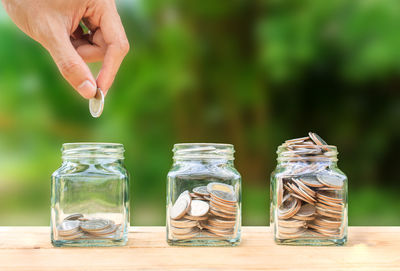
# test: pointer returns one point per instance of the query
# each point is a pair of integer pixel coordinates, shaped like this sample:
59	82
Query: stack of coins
310	199
76	226
208	212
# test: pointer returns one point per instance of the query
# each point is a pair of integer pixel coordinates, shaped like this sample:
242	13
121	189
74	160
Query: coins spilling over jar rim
310	201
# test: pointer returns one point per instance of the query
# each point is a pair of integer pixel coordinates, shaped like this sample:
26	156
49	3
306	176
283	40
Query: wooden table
369	248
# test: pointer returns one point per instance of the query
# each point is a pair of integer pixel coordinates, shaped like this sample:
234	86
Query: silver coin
74	217
332	181
95	225
68	227
201	190
198	208
181	205
224	196
96	104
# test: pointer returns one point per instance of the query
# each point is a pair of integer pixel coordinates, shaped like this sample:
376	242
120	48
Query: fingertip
87	89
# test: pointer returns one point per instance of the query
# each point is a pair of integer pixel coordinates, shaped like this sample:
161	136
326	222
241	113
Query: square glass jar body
309	186
219	224
90	202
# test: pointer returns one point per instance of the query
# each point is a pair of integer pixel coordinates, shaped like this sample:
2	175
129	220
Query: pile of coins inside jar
76	226
208	212
310	200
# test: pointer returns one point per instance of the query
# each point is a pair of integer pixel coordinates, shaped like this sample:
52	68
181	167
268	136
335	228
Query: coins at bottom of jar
77	227
310	207
211	213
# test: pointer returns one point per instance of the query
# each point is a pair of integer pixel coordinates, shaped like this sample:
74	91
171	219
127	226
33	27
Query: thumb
72	67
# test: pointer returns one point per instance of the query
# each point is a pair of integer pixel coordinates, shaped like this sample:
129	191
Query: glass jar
203	196
308	194
90	196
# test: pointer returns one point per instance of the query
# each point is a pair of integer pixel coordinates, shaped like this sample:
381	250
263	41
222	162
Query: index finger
117	47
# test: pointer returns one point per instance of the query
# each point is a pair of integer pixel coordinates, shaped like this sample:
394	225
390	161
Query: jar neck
204	152
92	152
325	154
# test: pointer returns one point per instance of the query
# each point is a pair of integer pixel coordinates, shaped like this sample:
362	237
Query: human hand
55	25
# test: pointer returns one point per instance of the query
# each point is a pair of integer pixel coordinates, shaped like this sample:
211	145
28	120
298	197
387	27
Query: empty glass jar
90	196
203	196
308	194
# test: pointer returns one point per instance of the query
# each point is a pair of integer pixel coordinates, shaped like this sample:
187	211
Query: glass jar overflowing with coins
203	196
90	196
308	194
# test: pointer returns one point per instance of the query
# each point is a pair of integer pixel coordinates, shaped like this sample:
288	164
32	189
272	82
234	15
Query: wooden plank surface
369	248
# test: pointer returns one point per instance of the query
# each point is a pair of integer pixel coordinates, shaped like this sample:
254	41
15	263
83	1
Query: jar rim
203	151
305	153
92	150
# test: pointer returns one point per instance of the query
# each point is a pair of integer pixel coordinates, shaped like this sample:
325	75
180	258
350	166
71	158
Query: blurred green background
250	73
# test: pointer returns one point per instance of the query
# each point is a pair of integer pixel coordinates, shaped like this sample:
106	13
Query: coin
306	210
198	208
220	187
221	223
224	215
183	223
219	205
289	230
193	233
288	208
107	231
317	139
324	222
68	227
227	212
297	234
279	191
329	196
331	181
201	190
96	104
74	236
304	187
181	206
94	225
181	230
196	218
224	197
297	140
74	217
291	223
304	218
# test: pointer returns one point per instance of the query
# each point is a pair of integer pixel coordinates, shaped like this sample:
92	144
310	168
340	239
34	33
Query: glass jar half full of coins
90	196
203	196
308	194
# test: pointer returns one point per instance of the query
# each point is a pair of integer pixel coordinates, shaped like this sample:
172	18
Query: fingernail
87	89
